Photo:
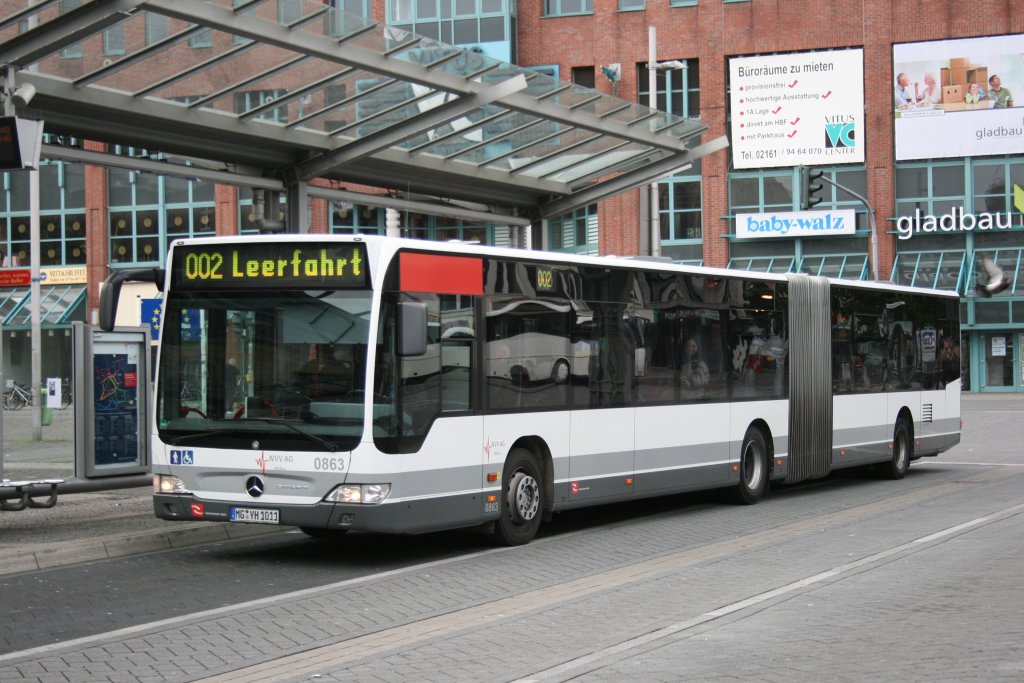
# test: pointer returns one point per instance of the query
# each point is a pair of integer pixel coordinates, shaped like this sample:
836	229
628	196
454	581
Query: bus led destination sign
320	265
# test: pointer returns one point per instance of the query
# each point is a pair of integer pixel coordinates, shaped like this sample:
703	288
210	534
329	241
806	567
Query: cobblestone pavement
849	579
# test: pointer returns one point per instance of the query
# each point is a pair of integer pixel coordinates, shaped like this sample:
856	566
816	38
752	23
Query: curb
111	547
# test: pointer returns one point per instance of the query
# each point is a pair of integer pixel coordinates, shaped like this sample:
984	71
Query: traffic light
809	189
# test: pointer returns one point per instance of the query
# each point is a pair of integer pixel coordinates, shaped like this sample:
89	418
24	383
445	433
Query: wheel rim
523	497
753	466
561	372
901	450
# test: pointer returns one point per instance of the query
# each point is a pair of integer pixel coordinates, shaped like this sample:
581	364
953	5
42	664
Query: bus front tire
902	452
522	499
753	468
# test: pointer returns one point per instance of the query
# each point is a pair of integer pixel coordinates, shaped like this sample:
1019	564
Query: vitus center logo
840	132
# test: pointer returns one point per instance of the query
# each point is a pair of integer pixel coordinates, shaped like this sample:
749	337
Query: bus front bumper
322	515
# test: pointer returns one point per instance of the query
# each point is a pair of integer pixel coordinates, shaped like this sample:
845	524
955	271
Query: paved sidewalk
83	527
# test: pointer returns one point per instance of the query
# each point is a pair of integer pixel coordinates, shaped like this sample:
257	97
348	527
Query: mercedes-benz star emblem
254	487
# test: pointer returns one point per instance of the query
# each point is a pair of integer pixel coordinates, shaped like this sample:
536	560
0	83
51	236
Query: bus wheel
902	452
522	499
753	468
560	371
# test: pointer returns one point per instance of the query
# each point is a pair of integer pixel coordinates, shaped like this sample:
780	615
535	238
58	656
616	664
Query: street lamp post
653	67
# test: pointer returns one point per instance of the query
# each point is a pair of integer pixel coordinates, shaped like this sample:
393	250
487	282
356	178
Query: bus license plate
254	516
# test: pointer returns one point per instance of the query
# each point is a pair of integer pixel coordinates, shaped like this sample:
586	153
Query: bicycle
17	398
65	393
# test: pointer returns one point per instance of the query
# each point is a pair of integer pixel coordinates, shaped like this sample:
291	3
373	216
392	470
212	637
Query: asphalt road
848	578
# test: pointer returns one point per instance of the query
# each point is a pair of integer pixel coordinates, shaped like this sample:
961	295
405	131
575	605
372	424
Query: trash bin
46	417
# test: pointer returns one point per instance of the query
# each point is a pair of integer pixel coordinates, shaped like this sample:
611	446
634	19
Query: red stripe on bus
440	274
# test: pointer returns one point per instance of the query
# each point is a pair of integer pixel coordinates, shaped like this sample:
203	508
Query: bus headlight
166	483
364	494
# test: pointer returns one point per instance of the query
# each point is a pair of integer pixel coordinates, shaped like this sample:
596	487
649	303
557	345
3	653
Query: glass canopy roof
323	94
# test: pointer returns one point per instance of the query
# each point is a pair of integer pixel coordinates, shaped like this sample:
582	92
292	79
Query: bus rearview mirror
412	328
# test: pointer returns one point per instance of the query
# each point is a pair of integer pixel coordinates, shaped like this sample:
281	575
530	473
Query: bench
18	495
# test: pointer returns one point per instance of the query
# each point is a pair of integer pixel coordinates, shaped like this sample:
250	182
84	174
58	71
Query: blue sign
151	314
190	330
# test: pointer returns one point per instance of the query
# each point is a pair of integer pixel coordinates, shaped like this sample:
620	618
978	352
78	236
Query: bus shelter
276	103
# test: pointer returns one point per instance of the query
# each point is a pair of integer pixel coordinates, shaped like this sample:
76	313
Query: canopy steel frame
473	93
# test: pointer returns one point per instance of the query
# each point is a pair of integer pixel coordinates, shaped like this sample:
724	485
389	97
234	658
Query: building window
288	11
156	28
61	216
336	23
561	8
202	39
455	22
630	5
239	40
72	51
682	3
348	219
680	214
247	216
772	191
444	229
113	40
930	194
583	76
678	90
680	204
246	101
576	232
930	188
148	211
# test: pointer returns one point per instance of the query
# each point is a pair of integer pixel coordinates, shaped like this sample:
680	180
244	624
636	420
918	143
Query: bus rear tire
902	452
753	468
522	499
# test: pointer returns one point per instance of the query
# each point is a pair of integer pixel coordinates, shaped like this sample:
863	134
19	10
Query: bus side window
457	337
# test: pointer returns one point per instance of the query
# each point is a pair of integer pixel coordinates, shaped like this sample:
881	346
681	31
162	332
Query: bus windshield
282	369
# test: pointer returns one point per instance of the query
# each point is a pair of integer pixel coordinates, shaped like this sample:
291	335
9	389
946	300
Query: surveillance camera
23	94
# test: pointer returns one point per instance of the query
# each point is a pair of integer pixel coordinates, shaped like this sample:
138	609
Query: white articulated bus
692	378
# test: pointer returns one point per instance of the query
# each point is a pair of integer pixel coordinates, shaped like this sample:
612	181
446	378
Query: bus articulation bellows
341	383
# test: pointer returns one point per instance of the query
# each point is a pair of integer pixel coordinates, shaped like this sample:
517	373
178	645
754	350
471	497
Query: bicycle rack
18	495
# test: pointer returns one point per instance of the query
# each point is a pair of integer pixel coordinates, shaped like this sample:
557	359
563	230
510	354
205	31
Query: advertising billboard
798	108
956	98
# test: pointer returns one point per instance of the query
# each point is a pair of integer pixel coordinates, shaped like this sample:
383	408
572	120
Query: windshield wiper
177	440
329	445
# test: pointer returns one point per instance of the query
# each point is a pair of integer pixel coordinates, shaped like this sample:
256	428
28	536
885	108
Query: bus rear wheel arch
523	499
